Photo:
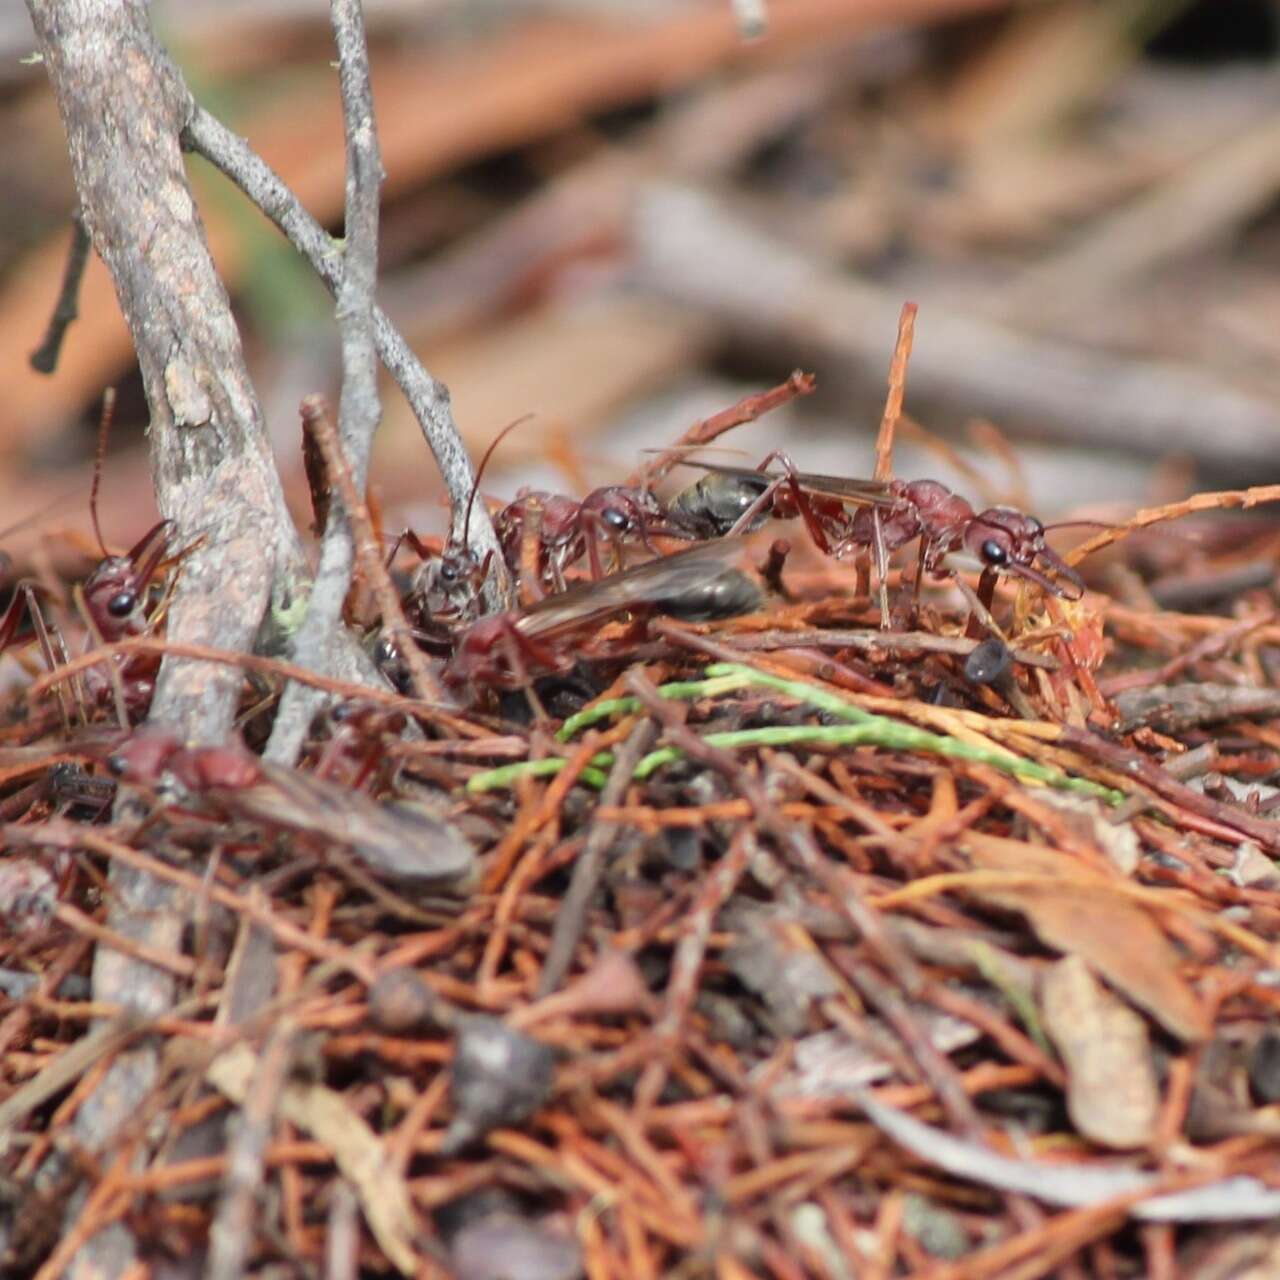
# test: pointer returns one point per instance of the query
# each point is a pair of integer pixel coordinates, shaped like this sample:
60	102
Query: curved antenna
1082	524
484	462
104	426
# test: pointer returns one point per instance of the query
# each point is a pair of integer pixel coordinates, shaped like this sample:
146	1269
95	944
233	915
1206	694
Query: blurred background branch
1080	197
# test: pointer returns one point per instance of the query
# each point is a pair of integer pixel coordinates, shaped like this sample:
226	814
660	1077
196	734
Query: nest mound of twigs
801	948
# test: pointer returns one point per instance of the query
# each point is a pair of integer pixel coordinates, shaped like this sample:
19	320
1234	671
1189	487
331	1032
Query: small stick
748	409
44	359
316	412
231	1233
591	862
1217	501
720	884
897	392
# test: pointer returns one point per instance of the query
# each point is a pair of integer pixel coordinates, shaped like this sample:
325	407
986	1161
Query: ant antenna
484	462
1081	524
104	426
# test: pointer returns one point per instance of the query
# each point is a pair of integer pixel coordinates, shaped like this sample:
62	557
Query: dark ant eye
994	553
121	605
117	765
614	518
449	572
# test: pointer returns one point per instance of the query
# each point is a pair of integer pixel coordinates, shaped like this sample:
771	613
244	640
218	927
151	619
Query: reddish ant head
627	513
115	592
143	755
1010	541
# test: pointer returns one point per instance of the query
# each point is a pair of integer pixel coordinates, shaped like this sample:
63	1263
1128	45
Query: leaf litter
787	926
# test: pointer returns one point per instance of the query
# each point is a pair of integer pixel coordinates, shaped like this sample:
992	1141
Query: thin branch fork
359	409
235	159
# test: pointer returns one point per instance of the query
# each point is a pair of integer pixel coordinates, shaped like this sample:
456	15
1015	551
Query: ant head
115	589
142	756
995	546
456	567
1011	541
616	508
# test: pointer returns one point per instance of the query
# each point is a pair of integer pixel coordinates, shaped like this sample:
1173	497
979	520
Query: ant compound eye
614	518
121	605
449	572
994	553
116	765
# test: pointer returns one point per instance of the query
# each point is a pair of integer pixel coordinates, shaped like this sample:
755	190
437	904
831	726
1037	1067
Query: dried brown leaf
356	1150
1085	915
1112	1095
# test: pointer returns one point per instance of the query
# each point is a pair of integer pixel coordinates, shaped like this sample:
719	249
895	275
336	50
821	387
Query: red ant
1001	539
699	584
566	529
402	841
444	596
888	516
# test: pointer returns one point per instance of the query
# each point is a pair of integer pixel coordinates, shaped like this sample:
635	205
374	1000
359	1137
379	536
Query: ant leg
761	504
416	545
780	456
771	570
987	588
54	657
591	537
511	644
980	623
917	583
882	568
12	616
812	521
862	586
530	562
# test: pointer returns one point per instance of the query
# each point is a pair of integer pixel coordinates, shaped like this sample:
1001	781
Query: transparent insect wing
654	584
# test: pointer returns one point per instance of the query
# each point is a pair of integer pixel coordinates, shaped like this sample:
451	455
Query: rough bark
124	106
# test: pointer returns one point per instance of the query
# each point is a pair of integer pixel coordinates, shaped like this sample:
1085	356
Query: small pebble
500	1077
400	1002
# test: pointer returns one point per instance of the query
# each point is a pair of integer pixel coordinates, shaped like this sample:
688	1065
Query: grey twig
44	359
231	1235
428	398
359	409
